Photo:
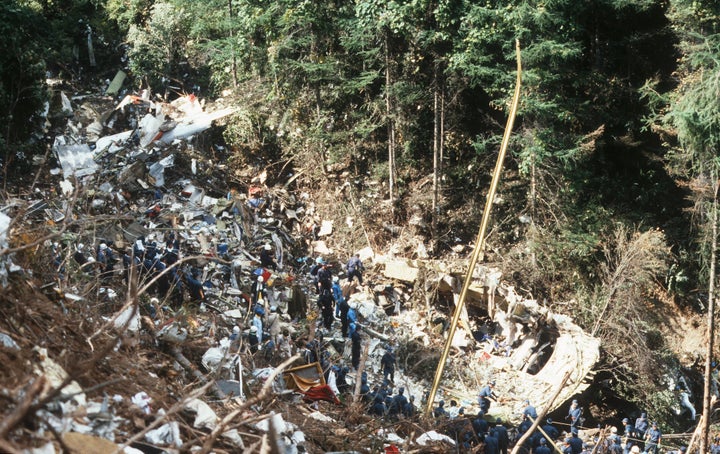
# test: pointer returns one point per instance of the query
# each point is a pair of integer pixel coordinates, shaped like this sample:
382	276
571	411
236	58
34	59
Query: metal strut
479	243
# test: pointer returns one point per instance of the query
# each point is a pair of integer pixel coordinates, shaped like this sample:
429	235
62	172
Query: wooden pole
479	243
536	424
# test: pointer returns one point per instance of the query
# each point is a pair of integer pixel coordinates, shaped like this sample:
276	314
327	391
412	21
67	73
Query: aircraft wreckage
526	349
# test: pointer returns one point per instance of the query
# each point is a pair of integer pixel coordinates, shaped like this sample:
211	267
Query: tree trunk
704	438
232	46
390	125
436	150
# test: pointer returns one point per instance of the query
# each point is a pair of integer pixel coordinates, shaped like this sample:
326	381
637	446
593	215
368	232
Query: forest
608	200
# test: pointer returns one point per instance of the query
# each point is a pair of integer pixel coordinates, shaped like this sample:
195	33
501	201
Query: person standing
194	286
79	255
325	301
273	324
529	410
574	414
337	295
355	338
492	445
502	436
628	438
259	294
542	449
653	438
439	411
641	425
324	276
576	444
257	323
388	365
486	393
253	339
106	261
551	430
352	318
355	268
267	260
399	401
344	322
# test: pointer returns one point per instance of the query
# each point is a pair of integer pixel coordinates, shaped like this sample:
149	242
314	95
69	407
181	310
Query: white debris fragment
4	227
432	436
390	436
48	448
56	375
321	248
67	109
108	142
205	417
173	333
8	342
67	188
326	228
76	159
142	401
128	319
278	422
167	434
298	437
320	417
214	356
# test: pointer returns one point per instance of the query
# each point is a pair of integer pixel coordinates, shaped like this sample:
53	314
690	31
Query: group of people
639	436
146	258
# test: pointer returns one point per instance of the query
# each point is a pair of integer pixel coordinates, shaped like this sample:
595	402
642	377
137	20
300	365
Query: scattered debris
208	260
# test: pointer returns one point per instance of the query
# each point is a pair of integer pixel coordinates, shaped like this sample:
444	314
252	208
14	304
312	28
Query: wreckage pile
151	371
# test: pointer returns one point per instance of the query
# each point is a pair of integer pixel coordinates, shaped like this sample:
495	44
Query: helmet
261	279
236	329
319	261
253	329
103	246
273	308
336	279
268	247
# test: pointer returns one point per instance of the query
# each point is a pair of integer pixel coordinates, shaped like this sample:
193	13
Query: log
184	362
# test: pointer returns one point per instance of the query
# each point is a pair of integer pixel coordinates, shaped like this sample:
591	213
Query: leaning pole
479	242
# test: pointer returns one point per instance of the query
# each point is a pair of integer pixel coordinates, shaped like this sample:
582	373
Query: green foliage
22	72
158	46
128	13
